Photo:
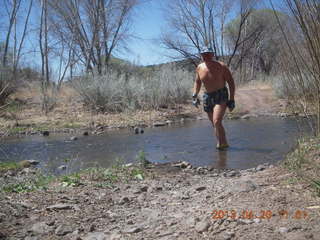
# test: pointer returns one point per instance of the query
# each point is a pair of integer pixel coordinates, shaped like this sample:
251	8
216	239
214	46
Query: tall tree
198	23
94	27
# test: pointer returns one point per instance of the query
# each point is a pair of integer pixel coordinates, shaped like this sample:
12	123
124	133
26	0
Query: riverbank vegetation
304	161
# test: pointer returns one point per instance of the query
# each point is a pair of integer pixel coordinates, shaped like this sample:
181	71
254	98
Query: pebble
40	228
182	164
96	236
283	230
63	230
144	189
201	188
202	226
60	207
29	238
228	235
124	200
45	133
133	230
260	167
159	124
257	220
62	167
245	221
231	174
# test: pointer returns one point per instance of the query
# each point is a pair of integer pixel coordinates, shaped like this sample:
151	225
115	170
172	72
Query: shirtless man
214	75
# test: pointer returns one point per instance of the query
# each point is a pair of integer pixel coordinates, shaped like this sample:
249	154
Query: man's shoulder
200	65
222	64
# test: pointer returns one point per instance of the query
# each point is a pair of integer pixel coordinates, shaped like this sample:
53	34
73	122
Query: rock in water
45	133
62	167
159	124
136	130
74	138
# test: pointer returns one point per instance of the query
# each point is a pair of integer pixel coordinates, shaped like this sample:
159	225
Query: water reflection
222	159
252	142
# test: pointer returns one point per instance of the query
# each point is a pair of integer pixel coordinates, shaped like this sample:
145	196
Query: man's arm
230	81
197	85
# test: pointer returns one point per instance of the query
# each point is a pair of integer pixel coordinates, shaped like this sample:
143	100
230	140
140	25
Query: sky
148	21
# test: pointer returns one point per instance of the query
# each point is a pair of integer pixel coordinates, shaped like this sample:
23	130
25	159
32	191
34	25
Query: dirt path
169	204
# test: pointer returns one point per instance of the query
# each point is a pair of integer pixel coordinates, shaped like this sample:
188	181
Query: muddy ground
172	202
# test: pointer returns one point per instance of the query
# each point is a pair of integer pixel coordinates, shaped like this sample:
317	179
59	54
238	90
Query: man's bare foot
222	146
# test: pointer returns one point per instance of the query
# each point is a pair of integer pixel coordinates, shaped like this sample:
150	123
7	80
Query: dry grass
69	112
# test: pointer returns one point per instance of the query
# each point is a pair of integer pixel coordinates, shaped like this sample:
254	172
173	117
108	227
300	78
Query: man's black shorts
217	97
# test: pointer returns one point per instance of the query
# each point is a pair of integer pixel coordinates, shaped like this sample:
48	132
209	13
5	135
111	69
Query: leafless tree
198	23
12	9
44	51
301	60
13	45
95	28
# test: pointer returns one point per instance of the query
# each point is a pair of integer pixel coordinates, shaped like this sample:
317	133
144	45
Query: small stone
159	124
283	230
245	221
60	207
231	174
96	236
246	116
40	228
62	167
201	188
28	238
245	186
228	235
124	200
26	205
133	230
45	133
92	228
257	220
260	167
33	162
73	138
202	226
63	230
51	222
182	164
85	133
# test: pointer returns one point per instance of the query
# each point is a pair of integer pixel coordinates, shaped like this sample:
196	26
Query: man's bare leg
218	113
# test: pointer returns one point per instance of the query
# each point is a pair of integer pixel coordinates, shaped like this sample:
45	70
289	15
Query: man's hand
195	100
231	105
